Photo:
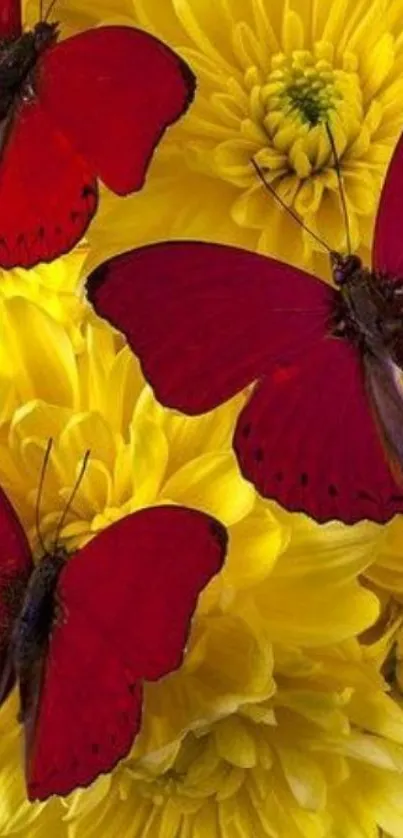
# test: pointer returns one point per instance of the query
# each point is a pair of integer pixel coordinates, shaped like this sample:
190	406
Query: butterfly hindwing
123	610
87	712
113	91
206	319
48	194
308	439
10	19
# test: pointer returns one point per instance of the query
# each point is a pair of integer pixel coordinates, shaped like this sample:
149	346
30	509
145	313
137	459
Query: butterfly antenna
53	3
39	495
288	209
71	498
341	186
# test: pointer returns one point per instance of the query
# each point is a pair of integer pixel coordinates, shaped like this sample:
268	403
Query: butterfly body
34	623
18	58
369	309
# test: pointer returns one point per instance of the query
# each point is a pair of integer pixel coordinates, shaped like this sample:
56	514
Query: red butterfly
81	634
93	106
322	431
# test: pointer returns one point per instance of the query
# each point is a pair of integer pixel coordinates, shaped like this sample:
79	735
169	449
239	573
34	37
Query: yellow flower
277	717
279	723
269	77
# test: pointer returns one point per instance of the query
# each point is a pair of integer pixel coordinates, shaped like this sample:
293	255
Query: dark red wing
205	319
15	569
113	91
125	604
387	250
308	439
10	19
47	192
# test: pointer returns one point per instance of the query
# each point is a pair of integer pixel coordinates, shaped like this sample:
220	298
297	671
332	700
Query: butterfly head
344	267
45	34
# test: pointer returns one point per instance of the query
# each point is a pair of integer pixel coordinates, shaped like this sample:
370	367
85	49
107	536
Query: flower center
274	110
302	85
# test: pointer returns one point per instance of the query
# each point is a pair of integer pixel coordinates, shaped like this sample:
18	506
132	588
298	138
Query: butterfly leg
28	92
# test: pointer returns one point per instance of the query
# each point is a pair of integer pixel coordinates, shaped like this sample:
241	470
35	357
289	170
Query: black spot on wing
88	191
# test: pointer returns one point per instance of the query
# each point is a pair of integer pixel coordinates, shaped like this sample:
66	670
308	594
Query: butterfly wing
387	251
10	19
206	319
102	101
113	91
308	439
47	192
15	569
124	606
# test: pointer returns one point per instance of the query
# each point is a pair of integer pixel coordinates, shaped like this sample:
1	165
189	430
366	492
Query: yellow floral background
285	720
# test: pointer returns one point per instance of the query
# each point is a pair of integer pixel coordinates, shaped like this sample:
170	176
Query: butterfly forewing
205	319
113	91
124	605
10	19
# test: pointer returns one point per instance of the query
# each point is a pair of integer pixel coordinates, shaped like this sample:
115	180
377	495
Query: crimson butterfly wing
387	251
113	91
124	602
48	194
10	19
308	439
15	569
101	102
206	320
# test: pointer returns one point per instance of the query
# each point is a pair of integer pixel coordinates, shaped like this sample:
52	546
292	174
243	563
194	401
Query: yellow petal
212	483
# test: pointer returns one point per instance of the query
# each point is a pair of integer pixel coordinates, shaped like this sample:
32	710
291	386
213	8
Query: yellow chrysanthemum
269	77
278	723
